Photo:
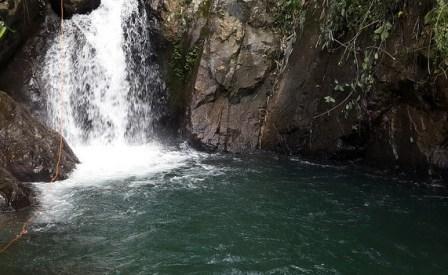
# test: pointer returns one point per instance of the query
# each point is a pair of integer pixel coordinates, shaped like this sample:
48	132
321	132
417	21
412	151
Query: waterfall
110	85
112	93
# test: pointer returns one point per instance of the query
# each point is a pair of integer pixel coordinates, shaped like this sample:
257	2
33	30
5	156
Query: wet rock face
234	73
72	7
28	148
404	124
14	192
240	102
28	152
24	17
411	138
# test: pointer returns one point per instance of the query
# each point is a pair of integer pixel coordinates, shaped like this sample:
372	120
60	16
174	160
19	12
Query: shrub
438	18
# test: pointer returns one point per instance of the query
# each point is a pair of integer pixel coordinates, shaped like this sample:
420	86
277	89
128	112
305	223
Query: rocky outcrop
22	19
254	88
400	123
28	149
233	74
72	7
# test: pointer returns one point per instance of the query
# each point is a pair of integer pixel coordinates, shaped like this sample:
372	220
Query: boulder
72	7
28	153
29	149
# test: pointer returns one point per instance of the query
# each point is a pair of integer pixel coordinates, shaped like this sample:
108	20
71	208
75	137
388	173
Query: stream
176	211
134	206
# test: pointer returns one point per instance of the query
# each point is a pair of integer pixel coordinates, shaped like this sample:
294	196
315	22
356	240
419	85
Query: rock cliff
258	75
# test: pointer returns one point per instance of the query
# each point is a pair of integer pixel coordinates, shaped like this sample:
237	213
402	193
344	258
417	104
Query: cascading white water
111	91
108	81
110	86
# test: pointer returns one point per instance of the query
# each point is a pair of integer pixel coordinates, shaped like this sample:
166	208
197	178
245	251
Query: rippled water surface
181	212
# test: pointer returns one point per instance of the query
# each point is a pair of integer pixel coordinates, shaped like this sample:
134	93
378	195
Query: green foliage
329	99
345	17
286	14
360	28
183	61
438	18
3	29
383	32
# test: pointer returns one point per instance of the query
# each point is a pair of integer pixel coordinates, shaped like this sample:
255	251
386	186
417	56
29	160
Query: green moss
182	67
183	61
183	58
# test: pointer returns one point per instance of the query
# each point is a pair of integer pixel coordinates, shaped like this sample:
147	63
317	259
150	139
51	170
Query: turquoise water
226	215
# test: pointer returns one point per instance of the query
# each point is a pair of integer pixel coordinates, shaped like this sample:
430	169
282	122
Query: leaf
384	31
384	35
2	29
339	88
329	99
429	17
2	32
379	30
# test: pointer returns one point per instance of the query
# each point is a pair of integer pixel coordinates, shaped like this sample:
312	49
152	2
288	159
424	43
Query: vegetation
287	13
357	30
185	54
3	29
183	61
360	28
343	24
438	20
438	17
357	17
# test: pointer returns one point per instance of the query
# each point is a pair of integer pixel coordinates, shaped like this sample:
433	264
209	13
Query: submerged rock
72	7
28	151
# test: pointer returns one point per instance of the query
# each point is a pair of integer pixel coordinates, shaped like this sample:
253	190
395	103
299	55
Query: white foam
105	104
101	168
118	161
